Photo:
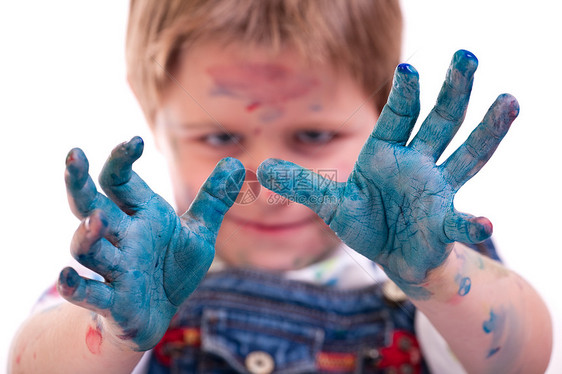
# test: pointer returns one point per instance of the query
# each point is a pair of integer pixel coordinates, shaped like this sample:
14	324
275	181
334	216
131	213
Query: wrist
420	284
106	330
451	282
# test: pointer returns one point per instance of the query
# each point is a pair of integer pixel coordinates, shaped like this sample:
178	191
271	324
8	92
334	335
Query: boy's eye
314	136
221	139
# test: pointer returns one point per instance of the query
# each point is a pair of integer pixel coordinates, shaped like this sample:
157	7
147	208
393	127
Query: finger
470	157
83	195
445	118
303	186
465	228
402	108
90	249
120	182
87	293
217	194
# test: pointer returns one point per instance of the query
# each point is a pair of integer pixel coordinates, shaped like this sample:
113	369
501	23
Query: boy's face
248	104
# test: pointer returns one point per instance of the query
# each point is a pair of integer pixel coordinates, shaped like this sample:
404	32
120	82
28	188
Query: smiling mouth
271	227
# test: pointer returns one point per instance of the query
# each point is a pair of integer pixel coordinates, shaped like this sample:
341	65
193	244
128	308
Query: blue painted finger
442	123
83	195
402	108
87	293
120	182
465	228
217	194
470	157
90	249
322	195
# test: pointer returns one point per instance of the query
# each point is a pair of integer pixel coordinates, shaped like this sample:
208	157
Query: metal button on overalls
259	362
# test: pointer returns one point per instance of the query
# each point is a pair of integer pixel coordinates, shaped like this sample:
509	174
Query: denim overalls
246	321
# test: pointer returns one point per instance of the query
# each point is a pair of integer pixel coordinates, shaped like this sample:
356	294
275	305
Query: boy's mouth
271	228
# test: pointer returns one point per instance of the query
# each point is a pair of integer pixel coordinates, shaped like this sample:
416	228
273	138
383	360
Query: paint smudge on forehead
265	86
316	107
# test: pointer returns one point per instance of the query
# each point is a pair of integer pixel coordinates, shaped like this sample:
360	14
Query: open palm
396	207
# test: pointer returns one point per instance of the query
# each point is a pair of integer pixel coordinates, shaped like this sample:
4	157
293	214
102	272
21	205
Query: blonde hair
363	37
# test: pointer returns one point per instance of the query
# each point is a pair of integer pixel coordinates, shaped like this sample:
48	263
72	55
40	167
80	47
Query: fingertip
74	155
466	228
230	163
76	168
405	68
135	146
510	104
128	151
265	170
68	282
482	229
406	80
465	61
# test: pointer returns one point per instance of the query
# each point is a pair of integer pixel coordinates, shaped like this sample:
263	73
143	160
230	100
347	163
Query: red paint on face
94	340
253	106
264	84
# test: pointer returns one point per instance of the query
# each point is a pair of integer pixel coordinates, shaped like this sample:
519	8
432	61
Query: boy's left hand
396	207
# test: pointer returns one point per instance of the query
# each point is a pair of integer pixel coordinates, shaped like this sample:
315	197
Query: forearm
68	339
492	319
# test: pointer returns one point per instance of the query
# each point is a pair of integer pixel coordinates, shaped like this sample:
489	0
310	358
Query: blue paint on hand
151	258
396	207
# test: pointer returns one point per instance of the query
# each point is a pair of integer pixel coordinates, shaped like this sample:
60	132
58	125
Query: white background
62	84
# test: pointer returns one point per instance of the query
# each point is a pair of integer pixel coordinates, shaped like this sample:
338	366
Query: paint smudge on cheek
94	340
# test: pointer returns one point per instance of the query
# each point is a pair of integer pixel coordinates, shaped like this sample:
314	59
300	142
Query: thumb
303	186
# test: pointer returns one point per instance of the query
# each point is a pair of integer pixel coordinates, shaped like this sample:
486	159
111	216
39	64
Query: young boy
225	87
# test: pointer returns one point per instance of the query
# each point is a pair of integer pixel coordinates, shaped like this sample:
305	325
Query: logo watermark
303	185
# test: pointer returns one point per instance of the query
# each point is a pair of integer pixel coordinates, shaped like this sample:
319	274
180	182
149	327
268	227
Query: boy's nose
253	156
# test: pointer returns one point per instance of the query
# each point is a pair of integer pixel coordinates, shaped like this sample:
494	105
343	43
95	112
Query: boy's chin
276	260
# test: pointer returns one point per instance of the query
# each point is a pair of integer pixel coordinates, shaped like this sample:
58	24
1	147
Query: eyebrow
193	125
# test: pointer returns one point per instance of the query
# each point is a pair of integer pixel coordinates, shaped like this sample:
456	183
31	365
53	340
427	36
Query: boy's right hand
151	258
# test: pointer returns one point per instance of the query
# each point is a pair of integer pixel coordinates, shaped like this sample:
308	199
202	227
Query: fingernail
407	69
465	62
513	105
70	157
87	224
74	160
135	146
485	227
68	278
